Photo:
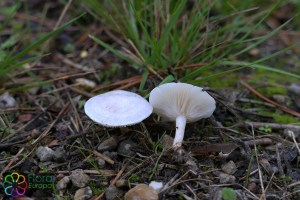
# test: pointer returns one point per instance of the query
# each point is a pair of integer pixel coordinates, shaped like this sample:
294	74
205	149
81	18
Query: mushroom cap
141	192
171	100
117	108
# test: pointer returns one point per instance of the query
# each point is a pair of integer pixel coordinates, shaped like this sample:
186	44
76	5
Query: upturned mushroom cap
171	100
117	108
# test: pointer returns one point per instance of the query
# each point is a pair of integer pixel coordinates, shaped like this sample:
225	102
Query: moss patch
285	118
226	81
269	91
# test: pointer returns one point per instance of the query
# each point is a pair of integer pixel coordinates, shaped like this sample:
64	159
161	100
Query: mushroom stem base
180	127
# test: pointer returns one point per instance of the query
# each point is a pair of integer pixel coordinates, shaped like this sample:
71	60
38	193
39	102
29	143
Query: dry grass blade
263	195
11	162
46	131
104	157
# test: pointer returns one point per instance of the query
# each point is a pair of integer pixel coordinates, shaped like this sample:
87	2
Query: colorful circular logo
15	185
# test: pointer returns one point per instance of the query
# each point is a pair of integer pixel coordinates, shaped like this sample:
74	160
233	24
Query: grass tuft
165	34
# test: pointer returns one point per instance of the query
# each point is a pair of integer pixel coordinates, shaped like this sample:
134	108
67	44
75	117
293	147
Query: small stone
33	91
141	192
7	101
113	193
167	141
109	144
59	176
79	178
266	166
275	169
122	183
100	162
280	98
125	147
83	193
85	82
291	133
25	117
63	183
229	168
84	54
44	153
59	154
294	88
252	187
225	178
157	186
254	52
111	154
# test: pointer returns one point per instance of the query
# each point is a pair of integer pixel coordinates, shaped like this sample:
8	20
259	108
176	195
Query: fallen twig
281	107
271	125
11	162
104	157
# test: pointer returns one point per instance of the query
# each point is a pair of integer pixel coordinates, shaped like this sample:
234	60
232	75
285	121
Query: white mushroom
182	103
117	108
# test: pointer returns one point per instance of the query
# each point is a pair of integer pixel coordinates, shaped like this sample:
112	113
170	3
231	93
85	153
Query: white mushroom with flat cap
181	102
117	108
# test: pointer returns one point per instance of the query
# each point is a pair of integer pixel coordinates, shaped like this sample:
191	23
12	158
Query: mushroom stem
180	126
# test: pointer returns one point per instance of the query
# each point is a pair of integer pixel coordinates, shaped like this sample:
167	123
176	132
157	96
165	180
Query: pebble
44	153
167	141
6	101
295	88
225	178
59	154
229	168
109	144
254	52
125	147
63	183
122	183
275	169
25	118
252	187
291	133
266	165
79	178
280	98
84	54
83	193
85	82
33	91
100	162
113	193
141	192
111	154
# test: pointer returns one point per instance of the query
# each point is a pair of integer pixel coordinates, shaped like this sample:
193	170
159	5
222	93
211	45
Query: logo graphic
15	185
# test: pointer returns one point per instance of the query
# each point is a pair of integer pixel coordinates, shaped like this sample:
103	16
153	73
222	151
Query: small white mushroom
182	103
117	108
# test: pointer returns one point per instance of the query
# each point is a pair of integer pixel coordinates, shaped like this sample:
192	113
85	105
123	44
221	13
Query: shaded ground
250	144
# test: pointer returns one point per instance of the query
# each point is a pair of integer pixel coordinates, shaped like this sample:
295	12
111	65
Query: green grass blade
143	81
270	34
214	76
259	66
19	64
113	50
168	79
37	43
